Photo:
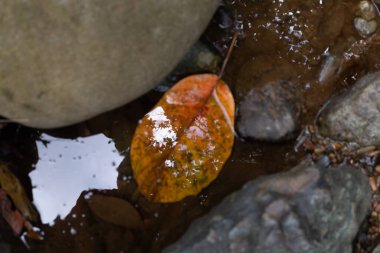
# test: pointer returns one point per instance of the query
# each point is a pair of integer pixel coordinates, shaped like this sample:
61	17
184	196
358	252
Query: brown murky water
311	43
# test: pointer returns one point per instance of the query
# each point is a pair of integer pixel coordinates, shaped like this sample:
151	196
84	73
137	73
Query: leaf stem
215	94
234	39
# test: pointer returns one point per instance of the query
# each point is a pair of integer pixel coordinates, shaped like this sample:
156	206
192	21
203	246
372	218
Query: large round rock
64	61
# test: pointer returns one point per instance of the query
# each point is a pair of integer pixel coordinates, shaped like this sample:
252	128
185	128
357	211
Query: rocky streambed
304	174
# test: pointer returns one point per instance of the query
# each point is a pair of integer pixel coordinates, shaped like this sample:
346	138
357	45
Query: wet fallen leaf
12	217
15	219
180	146
12	186
115	211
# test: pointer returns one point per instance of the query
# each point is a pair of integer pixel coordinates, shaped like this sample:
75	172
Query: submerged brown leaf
116	211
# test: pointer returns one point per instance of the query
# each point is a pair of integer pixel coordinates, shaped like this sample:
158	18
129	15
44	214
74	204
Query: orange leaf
181	145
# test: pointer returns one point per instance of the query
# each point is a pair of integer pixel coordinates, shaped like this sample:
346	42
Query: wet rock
365	23
366	10
364	27
67	61
201	58
355	115
270	113
308	209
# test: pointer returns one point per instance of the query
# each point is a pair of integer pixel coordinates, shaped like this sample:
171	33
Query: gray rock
271	113
364	27
355	115
308	209
66	61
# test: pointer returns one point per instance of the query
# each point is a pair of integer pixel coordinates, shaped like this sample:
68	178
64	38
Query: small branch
214	92
234	39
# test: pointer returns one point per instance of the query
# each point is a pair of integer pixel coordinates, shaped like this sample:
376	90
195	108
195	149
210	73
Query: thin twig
221	72
228	55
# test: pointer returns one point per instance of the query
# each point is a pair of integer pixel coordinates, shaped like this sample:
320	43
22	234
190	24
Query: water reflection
163	131
68	167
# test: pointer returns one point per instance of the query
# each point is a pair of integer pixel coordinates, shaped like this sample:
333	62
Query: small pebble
367	10
311	129
372	183
319	150
336	146
364	27
345	151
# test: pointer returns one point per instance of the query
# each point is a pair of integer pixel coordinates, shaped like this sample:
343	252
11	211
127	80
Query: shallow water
301	41
90	155
310	43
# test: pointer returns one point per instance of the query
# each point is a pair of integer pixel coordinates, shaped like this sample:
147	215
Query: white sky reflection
163	130
68	167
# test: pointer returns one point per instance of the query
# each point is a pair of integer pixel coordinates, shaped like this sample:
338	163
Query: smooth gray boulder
308	209
64	61
355	115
